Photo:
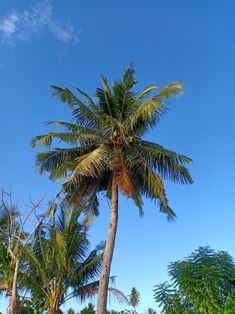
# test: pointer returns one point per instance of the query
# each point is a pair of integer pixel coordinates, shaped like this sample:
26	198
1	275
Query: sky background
70	43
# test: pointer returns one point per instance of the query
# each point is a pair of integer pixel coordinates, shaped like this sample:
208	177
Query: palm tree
89	309
108	152
134	298
60	265
151	311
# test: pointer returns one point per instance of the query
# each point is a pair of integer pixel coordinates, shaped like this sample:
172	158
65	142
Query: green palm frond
64	95
60	260
67	137
128	78
83	114
169	164
88	99
145	92
74	128
60	250
94	163
52	160
146	116
172	89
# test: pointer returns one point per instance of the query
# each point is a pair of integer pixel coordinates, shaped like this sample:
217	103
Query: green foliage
105	134
5	271
90	309
29	307
12	238
59	262
134	297
171	300
203	282
151	311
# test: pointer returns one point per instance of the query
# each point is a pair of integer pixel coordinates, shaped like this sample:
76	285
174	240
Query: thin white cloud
65	33
21	26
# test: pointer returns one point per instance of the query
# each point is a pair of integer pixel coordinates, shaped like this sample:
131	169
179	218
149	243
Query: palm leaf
172	89
94	163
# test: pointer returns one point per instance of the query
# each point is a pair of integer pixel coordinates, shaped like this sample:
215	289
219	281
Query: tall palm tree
108	152
60	264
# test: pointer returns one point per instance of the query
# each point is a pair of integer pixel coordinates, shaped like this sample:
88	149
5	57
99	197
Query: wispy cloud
22	26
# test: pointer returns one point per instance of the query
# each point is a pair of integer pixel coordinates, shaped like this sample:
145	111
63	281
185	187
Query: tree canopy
204	282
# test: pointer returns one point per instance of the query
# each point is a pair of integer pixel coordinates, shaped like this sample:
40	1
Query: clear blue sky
70	43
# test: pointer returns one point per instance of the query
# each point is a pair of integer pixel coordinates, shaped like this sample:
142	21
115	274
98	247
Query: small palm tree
108	153
134	298
90	309
151	311
59	265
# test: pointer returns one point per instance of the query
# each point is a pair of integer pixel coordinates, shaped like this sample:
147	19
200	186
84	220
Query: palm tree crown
134	297
106	135
60	263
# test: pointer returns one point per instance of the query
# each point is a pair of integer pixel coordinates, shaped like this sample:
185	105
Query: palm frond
83	114
172	89
64	95
74	128
169	164
88	99
52	160
146	116
145	92
94	163
67	137
128	78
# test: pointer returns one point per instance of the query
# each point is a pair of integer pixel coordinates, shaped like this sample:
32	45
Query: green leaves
59	259
149	113
169	164
107	134
134	297
93	163
172	89
204	281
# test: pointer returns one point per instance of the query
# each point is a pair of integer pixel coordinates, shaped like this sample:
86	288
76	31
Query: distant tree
70	311
90	309
151	311
204	282
108	152
134	298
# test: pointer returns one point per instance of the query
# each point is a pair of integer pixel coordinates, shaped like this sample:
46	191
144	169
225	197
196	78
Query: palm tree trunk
108	253
53	311
13	307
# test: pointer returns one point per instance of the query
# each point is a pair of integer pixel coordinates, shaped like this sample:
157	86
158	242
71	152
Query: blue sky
71	44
